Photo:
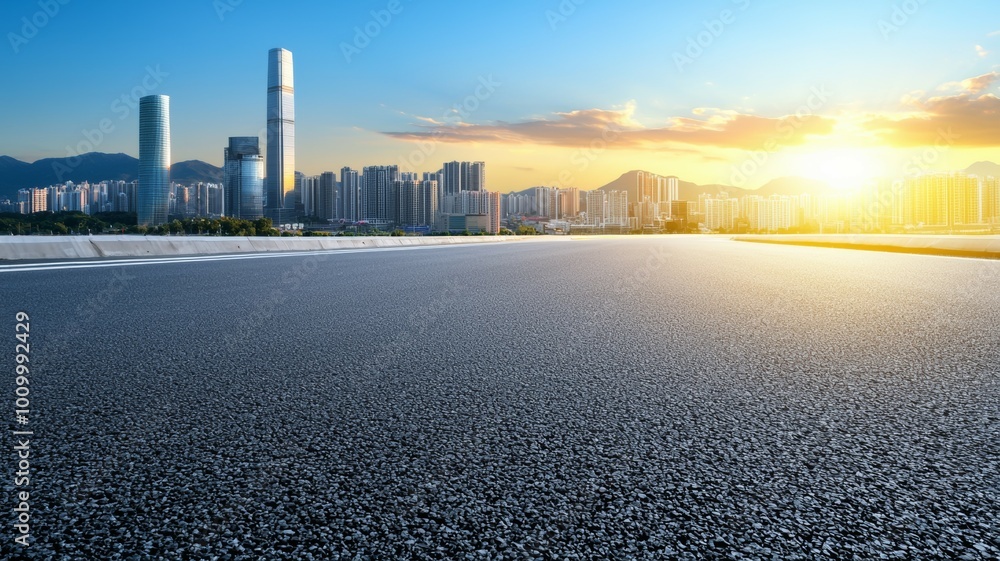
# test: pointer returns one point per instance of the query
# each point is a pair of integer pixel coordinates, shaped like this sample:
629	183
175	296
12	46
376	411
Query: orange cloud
962	120
980	84
618	129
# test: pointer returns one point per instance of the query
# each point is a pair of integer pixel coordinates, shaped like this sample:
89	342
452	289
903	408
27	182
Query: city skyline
695	92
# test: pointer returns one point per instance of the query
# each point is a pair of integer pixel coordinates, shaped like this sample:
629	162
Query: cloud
965	115
963	120
979	84
981	51
618	129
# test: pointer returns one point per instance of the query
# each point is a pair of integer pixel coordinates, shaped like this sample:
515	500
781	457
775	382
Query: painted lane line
34	267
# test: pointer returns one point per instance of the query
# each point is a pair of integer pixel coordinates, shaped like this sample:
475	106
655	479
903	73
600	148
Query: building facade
154	160
280	130
243	178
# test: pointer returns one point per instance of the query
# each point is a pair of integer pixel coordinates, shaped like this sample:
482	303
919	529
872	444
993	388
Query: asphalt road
595	399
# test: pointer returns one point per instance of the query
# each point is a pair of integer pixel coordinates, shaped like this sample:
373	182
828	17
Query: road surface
636	398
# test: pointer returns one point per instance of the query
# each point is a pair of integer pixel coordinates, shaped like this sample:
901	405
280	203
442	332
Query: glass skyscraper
154	160
280	130
244	178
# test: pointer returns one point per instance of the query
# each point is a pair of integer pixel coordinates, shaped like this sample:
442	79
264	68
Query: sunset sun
841	168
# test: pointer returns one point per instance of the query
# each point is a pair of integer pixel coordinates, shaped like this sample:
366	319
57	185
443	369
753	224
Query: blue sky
563	71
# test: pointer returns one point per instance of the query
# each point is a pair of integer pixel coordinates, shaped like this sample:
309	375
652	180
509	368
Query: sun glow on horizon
841	168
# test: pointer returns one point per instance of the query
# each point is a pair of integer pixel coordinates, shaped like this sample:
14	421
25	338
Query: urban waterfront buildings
154	160
385	197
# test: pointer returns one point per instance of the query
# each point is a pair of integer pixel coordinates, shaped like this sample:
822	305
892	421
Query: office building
154	160
243	178
280	131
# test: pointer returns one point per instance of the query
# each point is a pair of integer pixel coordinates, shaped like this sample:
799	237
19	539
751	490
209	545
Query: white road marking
57	266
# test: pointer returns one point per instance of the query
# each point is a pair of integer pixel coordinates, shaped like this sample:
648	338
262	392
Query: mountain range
91	167
97	166
688	191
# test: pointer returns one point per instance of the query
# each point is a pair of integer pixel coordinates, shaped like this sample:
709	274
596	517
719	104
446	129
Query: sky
568	93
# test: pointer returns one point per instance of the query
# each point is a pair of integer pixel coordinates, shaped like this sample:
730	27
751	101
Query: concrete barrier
16	248
957	246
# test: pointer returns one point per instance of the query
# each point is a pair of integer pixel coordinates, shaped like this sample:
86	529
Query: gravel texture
598	399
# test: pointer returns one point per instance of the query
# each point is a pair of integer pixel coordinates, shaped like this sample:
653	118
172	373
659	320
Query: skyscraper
310	195
349	201
280	130
452	179
154	160
327	196
473	176
244	178
597	208
378	208
463	176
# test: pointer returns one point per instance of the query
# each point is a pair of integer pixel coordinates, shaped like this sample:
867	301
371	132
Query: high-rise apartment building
473	176
327	196
349	196
378	206
452	179
617	208
720	213
310	195
597	202
463	176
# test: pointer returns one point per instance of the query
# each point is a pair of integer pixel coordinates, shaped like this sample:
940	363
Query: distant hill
195	171
984	169
94	166
689	191
91	167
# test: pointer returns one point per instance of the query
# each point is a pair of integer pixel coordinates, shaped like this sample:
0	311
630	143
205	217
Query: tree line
74	222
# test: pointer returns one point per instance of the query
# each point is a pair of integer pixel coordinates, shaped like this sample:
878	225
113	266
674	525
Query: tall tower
280	129
154	160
